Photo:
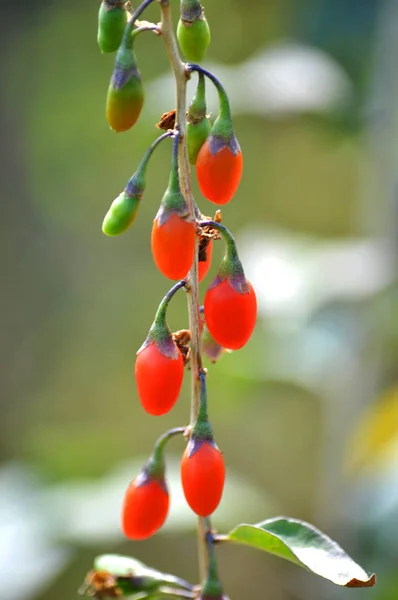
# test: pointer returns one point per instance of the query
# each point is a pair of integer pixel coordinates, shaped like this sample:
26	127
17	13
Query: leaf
304	545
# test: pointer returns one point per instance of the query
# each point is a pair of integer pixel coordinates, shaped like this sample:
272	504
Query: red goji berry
202	476
219	172
159	378
145	507
230	315
173	246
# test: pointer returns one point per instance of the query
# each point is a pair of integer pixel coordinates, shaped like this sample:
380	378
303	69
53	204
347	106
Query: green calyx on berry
124	208
173	201
193	32
222	133
202	431
112	20
230	267
198	124
160	333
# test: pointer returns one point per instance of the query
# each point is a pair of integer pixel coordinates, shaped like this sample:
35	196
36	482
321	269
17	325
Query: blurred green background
307	413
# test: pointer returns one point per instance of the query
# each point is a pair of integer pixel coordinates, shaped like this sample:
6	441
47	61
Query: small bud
198	124
193	32
112	19
210	347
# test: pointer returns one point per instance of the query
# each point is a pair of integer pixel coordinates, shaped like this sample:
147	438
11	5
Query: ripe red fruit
218	172
229	314
173	246
159	378
145	507
206	253
202	476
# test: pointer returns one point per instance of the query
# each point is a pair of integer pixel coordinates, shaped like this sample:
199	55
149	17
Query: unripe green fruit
111	24
197	134
194	38
126	93
121	214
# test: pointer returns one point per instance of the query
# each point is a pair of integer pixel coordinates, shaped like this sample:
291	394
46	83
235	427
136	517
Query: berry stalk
180	75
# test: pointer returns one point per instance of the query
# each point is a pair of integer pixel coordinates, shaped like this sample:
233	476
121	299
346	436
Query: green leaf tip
305	546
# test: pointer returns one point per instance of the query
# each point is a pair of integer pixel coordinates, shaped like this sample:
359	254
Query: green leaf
304	545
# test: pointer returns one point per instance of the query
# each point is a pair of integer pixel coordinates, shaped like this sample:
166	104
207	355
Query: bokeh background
307	412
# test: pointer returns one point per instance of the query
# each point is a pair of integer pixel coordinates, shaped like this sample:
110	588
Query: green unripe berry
121	214
194	38
112	21
198	125
197	134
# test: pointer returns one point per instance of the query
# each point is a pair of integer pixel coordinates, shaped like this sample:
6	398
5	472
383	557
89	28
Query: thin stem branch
164	438
181	76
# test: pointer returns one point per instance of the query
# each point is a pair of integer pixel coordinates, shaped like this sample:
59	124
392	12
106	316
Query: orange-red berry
159	378
173	246
145	507
218	174
230	315
202	476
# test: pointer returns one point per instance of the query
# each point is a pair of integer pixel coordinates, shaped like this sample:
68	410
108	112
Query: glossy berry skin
158	378
204	265
121	214
230	316
194	38
218	174
111	24
145	508
173	246
202	478
123	105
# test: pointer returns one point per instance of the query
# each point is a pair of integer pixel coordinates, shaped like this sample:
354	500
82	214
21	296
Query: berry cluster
181	241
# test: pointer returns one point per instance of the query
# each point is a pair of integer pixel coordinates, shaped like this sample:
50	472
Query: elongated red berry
174	230
230	304
159	378
173	245
145	507
219	170
230	314
219	163
202	476
159	366
205	254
